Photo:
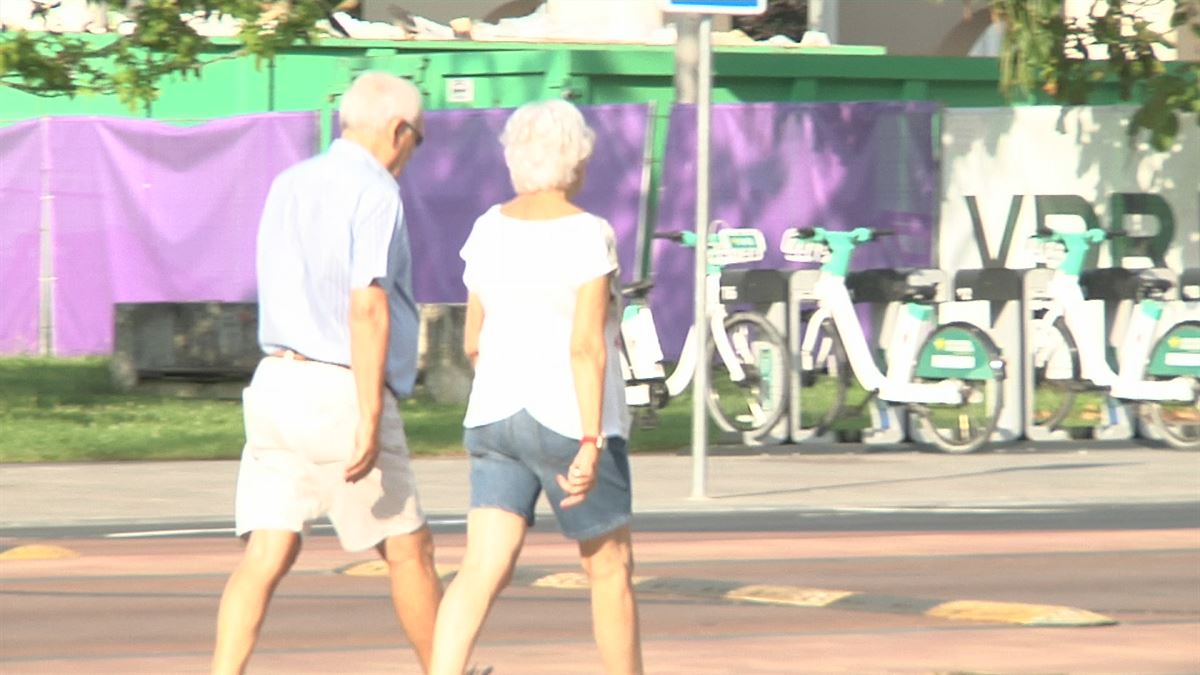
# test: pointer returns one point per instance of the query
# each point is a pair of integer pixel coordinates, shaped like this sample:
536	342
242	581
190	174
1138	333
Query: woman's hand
581	477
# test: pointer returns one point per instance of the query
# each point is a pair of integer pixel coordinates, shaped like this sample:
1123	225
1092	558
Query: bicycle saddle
1153	286
638	289
1119	283
1189	284
888	285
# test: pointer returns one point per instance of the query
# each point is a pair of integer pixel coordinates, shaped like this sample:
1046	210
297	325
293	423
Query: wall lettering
1122	205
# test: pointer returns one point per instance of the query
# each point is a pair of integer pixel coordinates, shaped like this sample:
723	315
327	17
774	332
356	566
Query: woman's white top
527	274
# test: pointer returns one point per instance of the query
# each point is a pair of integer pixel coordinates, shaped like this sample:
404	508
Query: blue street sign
714	6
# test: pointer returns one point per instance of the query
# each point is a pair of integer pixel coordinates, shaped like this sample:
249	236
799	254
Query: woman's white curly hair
545	146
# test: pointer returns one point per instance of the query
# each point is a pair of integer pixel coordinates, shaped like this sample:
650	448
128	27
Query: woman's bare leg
494	539
608	561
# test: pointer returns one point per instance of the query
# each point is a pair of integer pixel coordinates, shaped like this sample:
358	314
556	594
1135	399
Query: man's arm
368	360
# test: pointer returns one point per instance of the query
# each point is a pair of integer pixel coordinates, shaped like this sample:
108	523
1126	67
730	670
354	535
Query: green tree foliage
161	44
1045	52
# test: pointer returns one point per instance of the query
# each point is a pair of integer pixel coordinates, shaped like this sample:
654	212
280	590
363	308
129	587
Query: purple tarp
460	172
152	212
20	201
780	165
145	211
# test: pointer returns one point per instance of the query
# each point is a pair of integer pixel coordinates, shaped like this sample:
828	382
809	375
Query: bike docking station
994	299
1101	333
763	292
1117	290
942	379
1121	289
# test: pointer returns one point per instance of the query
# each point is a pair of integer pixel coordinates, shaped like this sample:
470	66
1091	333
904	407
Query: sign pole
703	9
700	383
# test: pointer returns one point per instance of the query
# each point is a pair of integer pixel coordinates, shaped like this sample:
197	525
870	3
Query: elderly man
338	327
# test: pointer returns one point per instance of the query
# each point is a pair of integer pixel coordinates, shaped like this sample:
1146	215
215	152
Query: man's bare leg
416	589
268	557
608	561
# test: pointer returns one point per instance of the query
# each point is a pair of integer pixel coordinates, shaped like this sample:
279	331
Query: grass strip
68	410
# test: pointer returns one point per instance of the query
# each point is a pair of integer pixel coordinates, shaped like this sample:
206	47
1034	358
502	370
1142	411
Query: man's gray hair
545	144
375	98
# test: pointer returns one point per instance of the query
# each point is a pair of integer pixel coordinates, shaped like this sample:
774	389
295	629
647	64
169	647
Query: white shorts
300	419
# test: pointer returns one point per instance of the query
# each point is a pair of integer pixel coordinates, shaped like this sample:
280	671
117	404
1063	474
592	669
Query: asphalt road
142	597
850	519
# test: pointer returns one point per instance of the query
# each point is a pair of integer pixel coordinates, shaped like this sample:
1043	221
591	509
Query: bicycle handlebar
863	233
1094	235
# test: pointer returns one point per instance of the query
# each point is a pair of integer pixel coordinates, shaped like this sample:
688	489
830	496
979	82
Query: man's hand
366	451
581	477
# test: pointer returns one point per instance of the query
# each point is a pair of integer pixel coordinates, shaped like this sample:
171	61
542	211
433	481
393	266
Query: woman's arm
589	353
472	327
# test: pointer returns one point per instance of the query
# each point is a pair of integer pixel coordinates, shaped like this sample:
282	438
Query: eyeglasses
420	137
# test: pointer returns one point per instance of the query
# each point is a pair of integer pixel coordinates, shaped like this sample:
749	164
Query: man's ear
393	130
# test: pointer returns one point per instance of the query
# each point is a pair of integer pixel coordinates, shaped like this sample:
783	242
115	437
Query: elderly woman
547	408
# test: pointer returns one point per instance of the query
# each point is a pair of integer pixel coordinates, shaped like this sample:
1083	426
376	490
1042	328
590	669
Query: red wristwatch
597	441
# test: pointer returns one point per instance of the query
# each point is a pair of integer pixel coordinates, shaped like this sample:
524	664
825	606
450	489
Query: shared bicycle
747	357
951	375
1157	371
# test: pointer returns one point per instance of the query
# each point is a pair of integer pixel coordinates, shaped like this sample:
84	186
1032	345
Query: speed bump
37	552
786	595
572	581
379	568
983	611
1018	613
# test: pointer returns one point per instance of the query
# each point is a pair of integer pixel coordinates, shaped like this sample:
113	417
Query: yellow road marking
787	595
572	581
378	568
567	581
38	552
985	611
1018	613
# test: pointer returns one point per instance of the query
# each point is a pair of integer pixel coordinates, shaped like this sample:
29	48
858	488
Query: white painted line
323	527
936	509
447	521
167	533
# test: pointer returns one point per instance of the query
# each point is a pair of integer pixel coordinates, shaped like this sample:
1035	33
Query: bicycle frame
1067	301
727	246
833	300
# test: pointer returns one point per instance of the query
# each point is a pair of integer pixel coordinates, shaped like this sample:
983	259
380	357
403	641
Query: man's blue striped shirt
333	223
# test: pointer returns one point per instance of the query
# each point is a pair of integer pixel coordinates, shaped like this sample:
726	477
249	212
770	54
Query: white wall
441	11
1157	13
996	154
928	27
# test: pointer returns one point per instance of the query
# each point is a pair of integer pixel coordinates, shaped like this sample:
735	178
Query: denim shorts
516	459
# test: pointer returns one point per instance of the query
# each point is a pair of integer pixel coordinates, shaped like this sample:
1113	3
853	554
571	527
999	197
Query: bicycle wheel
963	353
754	404
1177	354
1055	374
824	374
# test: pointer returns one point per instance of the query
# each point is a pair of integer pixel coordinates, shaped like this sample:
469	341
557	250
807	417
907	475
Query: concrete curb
979	611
